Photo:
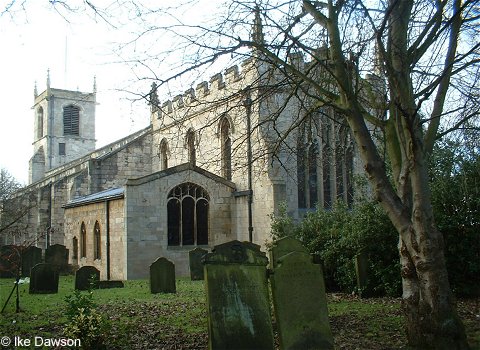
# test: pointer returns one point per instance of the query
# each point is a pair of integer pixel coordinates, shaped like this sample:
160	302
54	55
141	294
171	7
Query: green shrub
90	327
84	321
338	235
79	301
455	187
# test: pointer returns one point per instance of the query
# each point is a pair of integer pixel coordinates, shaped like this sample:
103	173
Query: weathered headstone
57	255
162	276
299	299
361	271
87	277
284	246
43	279
9	261
237	297
196	265
31	256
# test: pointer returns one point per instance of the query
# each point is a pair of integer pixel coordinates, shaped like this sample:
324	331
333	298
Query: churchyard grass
142	320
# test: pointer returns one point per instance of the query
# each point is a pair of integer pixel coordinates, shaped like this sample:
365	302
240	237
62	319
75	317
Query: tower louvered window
71	119
39	122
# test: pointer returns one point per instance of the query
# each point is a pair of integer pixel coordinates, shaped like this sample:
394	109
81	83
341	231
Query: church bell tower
64	128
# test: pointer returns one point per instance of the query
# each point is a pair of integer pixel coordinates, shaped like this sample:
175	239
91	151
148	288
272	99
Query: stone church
213	165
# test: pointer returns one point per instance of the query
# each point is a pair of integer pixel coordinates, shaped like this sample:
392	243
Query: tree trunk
431	318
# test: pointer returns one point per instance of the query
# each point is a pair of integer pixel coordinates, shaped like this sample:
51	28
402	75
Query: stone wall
100	170
146	217
52	101
130	161
89	214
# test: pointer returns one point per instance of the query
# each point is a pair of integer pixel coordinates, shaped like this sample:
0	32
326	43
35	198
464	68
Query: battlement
230	81
236	78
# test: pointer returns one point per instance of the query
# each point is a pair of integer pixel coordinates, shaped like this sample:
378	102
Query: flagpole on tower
65	63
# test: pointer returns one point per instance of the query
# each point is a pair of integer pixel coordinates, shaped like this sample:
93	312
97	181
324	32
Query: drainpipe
49	223
107	232
247	103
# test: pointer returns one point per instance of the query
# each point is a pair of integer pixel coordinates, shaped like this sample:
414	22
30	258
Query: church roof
102	196
178	169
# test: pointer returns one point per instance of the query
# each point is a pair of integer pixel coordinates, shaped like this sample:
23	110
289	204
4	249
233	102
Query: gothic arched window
75	248
325	152
345	185
327	169
39	122
191	147
163	155
187	211
226	149
83	241
307	166
71	120
97	248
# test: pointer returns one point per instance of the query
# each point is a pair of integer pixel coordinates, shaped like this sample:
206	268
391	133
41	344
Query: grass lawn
140	320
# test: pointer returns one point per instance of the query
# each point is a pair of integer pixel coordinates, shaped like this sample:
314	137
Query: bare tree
424	56
8	187
15	205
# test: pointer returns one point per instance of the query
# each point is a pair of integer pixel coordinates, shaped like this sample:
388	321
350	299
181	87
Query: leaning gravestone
162	276
57	255
31	256
299	298
43	279
196	266
237	297
86	278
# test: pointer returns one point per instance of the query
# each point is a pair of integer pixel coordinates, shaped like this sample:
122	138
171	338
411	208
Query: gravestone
57	255
43	279
9	261
237	297
86	278
162	276
31	256
284	246
196	266
361	272
299	298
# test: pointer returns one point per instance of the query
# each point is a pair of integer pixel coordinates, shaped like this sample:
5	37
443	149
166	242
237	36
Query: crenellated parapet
221	85
230	84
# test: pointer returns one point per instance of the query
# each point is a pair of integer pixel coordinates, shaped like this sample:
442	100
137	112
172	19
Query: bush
79	301
338	235
455	190
84	321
